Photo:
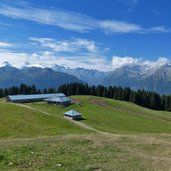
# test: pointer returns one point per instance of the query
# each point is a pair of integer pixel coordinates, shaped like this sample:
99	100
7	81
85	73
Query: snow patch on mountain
6	64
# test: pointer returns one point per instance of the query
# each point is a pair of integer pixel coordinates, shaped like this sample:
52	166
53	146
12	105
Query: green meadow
114	116
16	122
113	135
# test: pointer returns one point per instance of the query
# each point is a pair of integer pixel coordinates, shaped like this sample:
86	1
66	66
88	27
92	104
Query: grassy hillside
16	121
115	116
129	137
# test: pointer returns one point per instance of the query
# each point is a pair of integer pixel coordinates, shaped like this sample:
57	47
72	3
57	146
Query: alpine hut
56	100
73	115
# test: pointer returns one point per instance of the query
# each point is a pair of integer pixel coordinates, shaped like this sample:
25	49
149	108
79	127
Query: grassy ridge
18	121
115	116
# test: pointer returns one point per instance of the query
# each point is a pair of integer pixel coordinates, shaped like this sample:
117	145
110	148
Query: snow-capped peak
5	64
58	68
38	65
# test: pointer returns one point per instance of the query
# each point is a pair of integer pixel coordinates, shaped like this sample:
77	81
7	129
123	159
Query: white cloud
49	59
74	21
130	3
64	19
4	44
120	27
73	45
118	62
158	29
87	44
155	64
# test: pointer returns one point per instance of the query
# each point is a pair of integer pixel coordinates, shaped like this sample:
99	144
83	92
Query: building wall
78	117
60	103
24	100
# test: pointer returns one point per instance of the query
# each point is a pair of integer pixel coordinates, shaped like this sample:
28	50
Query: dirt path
28	107
32	108
84	125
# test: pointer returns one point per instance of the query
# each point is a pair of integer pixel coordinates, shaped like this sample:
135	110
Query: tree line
24	89
143	98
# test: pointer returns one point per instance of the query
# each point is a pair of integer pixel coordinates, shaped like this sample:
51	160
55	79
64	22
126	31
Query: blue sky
96	34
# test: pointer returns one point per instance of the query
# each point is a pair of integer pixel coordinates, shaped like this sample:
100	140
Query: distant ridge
41	77
135	76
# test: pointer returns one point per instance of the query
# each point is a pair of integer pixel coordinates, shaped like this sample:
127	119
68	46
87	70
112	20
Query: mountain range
135	76
41	77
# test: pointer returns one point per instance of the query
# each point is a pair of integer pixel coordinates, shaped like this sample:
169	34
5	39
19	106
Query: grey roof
72	113
35	96
57	99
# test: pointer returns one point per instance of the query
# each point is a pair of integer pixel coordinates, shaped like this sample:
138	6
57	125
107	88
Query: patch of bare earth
76	101
99	102
103	104
83	125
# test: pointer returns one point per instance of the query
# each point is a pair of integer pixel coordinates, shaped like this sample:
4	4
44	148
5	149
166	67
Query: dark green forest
143	98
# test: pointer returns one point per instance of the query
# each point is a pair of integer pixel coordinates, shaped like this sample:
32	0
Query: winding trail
32	108
78	123
84	125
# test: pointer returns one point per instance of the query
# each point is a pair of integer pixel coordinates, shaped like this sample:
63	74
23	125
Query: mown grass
16	121
115	116
93	152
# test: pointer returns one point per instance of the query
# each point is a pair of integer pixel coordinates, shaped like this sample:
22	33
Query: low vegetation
36	136
114	116
18	121
90	152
